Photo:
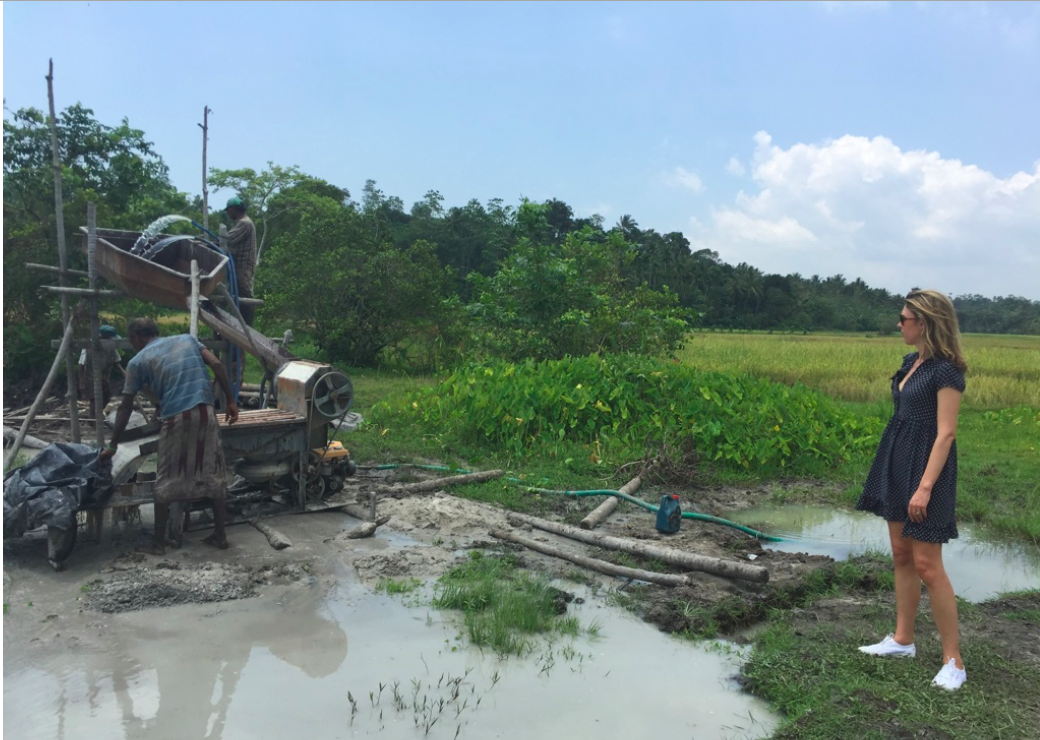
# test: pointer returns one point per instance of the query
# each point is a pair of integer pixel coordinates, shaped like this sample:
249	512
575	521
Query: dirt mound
441	514
137	586
411	562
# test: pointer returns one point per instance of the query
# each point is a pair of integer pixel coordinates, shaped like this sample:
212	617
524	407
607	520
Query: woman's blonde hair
941	332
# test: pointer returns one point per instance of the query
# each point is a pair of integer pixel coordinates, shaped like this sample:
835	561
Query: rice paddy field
1003	370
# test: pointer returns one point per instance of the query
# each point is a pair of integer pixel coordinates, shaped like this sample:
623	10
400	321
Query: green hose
595	492
650	507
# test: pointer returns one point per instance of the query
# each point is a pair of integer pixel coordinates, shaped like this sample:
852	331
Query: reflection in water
979	568
270	668
172	673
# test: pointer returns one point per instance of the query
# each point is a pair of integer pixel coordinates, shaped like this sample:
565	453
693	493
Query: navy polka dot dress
903	453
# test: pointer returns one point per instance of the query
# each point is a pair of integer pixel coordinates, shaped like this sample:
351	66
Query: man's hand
107	451
232	413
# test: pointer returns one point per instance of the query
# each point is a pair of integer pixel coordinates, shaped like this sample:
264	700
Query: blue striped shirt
173	369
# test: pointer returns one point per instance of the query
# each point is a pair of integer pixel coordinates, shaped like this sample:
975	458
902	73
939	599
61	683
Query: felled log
364	530
439	483
601	512
664	579
276	539
33	443
364	515
670	555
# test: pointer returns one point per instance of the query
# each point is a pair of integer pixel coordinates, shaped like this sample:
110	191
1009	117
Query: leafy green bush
734	421
549	300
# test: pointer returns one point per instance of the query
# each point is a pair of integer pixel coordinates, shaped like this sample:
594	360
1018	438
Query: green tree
551	300
113	166
259	190
358	294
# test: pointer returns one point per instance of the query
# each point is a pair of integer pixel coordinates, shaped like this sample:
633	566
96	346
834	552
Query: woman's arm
949	406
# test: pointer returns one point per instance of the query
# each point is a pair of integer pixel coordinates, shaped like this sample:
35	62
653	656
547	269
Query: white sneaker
889	647
950	677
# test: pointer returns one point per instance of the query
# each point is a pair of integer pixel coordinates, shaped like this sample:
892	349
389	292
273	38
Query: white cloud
866	208
682	178
735	167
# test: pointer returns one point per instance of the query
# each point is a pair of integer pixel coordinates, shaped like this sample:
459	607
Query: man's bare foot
220	544
154	549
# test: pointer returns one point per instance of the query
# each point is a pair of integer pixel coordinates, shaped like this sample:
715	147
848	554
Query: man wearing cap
241	242
109	359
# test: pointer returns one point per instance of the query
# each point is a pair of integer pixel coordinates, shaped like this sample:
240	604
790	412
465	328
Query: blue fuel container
669	515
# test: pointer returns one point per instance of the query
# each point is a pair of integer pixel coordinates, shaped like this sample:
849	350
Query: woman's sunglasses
903	319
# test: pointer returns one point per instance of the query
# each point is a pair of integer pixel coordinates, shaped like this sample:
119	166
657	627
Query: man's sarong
191	458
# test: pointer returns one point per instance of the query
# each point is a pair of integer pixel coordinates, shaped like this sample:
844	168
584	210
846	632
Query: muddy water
979	567
282	666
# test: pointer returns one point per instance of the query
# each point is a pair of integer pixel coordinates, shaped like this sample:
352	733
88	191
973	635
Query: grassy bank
807	666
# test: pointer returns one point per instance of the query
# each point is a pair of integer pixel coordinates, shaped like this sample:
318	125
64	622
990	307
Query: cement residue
412	562
167	583
441	514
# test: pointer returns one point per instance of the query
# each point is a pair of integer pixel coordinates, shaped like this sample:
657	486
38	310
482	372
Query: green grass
811	673
503	605
392	586
1002	370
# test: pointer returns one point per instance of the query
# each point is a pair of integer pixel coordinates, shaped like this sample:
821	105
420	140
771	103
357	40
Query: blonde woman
913	481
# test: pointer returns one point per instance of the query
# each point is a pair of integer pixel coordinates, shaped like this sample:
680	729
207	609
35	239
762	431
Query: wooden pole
601	512
620	571
78	291
59	212
439	483
44	392
672	556
205	169
193	303
96	360
52	268
275	539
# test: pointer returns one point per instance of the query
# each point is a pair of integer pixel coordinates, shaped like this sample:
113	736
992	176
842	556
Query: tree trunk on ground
276	539
715	566
663	579
601	512
439	483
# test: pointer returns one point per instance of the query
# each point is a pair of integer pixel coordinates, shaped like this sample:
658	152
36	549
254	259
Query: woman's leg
929	566
908	584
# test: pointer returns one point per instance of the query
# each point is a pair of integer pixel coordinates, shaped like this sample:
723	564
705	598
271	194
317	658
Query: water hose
695	516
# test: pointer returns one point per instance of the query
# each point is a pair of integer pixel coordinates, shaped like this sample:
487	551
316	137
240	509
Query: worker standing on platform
191	458
241	243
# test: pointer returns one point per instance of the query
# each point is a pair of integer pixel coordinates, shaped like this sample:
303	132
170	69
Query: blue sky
895	142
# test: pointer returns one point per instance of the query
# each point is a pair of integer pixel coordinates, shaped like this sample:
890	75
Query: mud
115	620
140	583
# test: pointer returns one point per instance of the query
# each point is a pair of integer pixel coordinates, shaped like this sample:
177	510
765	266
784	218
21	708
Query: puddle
282	666
979	568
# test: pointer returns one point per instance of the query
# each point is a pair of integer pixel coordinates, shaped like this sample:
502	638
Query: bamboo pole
670	555
59	212
96	362
52	268
193	302
601	512
63	291
44	392
205	170
620	571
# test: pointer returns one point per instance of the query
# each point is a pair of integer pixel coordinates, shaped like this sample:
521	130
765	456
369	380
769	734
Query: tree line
374	282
